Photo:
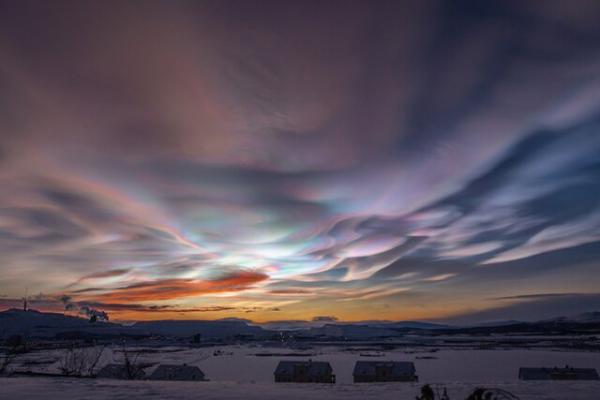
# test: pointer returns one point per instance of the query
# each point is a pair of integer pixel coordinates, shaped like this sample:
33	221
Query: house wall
329	378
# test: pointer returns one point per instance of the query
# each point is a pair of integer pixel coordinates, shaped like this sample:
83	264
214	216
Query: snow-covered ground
445	366
449	365
99	389
239	373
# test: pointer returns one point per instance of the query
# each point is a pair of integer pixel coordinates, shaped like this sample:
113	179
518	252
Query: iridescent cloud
291	159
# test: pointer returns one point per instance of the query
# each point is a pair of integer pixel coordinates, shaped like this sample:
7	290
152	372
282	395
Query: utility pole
25	301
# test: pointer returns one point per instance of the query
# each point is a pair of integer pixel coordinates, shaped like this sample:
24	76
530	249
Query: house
168	372
384	371
304	371
567	373
119	371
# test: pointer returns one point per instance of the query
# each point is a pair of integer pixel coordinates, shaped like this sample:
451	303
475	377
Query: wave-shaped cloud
405	159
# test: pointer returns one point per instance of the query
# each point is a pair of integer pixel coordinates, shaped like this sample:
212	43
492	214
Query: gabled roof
397	367
313	368
171	371
558	373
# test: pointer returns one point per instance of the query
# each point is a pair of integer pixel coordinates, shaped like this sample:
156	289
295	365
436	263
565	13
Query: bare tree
80	361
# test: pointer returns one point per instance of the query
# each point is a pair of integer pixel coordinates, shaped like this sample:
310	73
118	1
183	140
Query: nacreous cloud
409	159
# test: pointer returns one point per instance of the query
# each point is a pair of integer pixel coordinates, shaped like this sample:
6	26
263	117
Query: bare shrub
6	359
133	369
427	393
80	361
13	345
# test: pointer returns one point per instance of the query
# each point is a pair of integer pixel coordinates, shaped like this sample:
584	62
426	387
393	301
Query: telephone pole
25	301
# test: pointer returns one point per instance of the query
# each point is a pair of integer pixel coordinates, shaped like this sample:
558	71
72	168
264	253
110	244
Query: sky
292	160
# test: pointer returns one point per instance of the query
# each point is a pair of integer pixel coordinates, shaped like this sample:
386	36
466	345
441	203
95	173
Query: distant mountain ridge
45	325
593	316
41	324
38	324
410	325
293	325
216	328
350	331
48	325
